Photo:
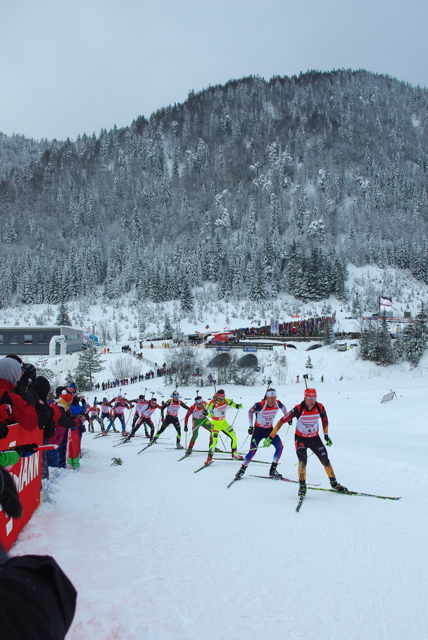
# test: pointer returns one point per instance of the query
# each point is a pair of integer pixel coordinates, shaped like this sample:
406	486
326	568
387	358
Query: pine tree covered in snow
88	365
375	343
63	319
415	337
309	364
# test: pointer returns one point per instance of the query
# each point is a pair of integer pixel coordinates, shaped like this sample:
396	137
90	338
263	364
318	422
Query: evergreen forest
256	186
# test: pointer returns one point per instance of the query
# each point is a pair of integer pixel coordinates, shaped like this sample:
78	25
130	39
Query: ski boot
189	451
336	486
240	473
147	433
302	488
178	445
208	460
236	455
273	473
125	434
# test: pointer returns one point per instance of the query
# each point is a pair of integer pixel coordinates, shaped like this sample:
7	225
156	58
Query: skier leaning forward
199	419
94	414
140	404
146	411
120	404
172	407
265	411
217	408
308	414
105	412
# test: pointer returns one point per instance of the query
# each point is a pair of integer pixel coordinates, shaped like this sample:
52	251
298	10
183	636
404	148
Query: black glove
205	413
4	430
9	498
290	422
26	449
327	440
250	430
186	428
75	401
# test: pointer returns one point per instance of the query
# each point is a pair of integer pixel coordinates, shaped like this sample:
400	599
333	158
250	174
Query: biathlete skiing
199	415
145	418
172	407
308	414
94	414
105	412
120	404
217	408
265	412
140	403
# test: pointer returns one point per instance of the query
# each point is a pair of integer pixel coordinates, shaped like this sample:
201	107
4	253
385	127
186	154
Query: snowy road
157	552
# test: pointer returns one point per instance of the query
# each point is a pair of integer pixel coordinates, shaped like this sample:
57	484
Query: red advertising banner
27	475
222	337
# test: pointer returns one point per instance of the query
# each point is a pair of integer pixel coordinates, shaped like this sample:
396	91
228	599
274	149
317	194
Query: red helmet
310	393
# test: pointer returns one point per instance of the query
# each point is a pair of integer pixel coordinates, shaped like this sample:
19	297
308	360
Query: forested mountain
257	186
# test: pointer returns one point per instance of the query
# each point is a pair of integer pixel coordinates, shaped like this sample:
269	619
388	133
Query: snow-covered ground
157	552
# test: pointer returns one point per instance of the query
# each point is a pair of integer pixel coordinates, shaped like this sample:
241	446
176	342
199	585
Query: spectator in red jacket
21	412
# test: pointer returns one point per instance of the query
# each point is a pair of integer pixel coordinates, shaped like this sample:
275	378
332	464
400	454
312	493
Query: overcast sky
75	66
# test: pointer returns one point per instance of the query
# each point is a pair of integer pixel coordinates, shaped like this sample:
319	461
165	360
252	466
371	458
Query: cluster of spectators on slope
111	384
312	327
37	600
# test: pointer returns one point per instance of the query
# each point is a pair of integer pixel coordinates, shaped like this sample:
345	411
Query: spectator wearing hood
20	411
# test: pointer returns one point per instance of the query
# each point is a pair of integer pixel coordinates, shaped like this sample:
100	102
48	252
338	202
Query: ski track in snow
159	553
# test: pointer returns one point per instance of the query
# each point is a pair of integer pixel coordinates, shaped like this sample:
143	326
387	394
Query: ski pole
269	382
222	441
241	447
235	417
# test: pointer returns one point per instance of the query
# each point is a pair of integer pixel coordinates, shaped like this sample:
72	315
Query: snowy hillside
157	552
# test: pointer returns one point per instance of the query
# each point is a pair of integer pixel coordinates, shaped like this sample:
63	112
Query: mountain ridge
258	186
